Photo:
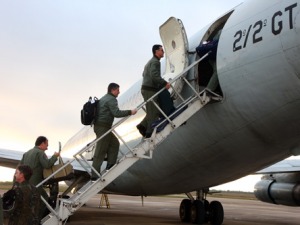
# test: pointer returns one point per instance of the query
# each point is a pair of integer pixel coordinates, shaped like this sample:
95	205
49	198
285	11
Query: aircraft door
175	44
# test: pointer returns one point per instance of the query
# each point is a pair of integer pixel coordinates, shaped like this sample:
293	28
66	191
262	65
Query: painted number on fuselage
242	37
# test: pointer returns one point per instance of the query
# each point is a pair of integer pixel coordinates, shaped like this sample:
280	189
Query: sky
56	53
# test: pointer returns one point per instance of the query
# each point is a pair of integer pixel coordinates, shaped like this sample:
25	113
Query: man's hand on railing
133	111
168	85
56	154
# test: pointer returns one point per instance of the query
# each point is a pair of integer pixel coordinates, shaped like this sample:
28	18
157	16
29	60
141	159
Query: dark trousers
152	113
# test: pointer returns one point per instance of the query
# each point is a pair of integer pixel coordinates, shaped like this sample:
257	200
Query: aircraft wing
284	166
11	158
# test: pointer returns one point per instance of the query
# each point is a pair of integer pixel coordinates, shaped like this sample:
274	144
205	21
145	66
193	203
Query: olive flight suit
38	161
107	110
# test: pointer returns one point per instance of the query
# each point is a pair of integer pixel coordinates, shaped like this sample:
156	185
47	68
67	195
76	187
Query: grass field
5	185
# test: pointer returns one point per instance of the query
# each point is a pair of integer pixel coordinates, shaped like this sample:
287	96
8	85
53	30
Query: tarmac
130	210
164	210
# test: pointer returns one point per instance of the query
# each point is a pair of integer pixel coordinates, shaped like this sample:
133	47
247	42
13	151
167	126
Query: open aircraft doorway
207	67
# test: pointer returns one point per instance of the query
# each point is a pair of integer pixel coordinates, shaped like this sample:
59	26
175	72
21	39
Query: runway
127	210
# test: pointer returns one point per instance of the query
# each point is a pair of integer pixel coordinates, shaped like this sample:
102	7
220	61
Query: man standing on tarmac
38	161
27	199
1	211
152	83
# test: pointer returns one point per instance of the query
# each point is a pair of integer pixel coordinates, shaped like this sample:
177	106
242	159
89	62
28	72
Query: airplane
254	123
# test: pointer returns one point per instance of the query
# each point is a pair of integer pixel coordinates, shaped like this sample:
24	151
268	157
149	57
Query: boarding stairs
143	150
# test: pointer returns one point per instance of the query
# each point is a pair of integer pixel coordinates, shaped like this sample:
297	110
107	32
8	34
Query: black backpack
89	111
8	200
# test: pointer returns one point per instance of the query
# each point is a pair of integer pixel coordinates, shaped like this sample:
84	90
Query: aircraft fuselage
256	124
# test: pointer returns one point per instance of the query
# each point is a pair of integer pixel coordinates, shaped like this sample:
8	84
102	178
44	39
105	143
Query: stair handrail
141	105
91	144
94	142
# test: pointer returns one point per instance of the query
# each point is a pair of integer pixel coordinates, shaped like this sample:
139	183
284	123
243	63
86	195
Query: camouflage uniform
26	208
107	110
38	160
1	211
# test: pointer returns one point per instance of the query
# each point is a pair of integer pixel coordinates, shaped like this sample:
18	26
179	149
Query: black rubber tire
185	210
216	213
197	212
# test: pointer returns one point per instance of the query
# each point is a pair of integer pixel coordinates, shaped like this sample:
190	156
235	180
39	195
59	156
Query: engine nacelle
278	192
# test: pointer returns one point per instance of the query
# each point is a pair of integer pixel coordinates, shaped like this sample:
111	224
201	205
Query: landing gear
200	211
185	210
197	212
216	213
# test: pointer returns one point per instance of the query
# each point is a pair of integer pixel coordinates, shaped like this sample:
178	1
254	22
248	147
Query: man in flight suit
152	83
38	161
107	110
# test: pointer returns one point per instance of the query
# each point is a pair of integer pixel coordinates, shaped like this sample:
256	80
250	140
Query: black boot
109	166
141	129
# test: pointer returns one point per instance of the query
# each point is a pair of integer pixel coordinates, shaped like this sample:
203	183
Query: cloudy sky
56	53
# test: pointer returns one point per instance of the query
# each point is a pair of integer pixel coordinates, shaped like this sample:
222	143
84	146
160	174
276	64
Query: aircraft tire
197	212
185	210
216	213
206	208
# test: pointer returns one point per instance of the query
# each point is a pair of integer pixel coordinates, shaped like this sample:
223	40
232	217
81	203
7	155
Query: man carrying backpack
1	210
27	199
107	110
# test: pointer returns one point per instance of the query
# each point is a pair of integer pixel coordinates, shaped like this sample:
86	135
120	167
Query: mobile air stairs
143	150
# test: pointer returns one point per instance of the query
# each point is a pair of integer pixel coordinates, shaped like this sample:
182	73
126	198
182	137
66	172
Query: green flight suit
107	110
152	83
38	161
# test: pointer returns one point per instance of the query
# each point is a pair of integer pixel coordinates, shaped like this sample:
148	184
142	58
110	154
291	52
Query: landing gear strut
200	211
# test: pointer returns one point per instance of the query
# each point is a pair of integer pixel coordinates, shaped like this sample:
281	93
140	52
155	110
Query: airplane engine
281	189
